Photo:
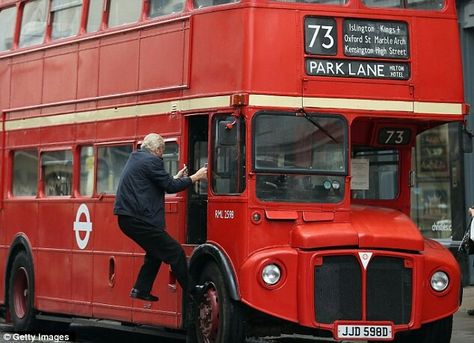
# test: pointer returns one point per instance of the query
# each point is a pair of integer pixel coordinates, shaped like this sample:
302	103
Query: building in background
443	183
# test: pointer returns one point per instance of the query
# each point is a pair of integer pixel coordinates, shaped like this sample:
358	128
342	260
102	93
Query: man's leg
147	274
143	235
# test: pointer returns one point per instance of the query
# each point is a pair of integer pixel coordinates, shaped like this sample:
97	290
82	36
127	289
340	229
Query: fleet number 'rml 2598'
224	214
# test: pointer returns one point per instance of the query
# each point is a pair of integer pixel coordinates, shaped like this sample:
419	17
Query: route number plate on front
364	331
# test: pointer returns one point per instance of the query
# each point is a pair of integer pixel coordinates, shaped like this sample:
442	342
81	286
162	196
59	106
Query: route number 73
320	36
394	136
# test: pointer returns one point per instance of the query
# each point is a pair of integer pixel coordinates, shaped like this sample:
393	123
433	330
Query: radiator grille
338	290
389	290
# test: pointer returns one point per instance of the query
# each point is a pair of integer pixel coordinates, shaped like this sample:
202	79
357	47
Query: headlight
439	281
271	274
336	185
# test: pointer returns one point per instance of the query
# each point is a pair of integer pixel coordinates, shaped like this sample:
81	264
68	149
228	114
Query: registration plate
364	331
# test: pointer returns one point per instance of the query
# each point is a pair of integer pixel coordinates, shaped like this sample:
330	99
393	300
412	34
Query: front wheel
217	318
21	294
435	332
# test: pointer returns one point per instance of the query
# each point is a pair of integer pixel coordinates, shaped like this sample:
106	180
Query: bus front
317	231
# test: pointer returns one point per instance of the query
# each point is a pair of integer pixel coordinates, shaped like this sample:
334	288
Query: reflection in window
110	163
86	182
124	12
300	157
164	7
171	157
33	23
383	174
66	18
25	172
207	3
415	4
94	16
57	172
7	28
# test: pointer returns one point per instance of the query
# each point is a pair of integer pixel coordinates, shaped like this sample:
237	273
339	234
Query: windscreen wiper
326	132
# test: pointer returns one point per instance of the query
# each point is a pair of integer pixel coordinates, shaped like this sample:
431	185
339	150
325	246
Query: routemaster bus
306	113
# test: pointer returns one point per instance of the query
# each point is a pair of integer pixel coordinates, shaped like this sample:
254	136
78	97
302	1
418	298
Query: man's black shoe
135	293
470	312
198	290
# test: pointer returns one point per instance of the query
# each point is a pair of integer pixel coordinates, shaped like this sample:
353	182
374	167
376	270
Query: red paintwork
249	47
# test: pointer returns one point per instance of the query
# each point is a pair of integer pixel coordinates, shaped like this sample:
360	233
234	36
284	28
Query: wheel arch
210	252
19	244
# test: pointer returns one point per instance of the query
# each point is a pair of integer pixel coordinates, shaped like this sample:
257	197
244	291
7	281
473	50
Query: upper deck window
414	4
33	23
321	2
94	15
124	12
7	28
66	18
164	7
208	3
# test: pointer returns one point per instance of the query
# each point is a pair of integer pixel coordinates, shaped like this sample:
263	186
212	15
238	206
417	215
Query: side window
66	18
164	7
171	158
57	172
33	23
94	15
124	12
25	172
416	4
375	174
207	3
86	181
7	28
110	163
228	173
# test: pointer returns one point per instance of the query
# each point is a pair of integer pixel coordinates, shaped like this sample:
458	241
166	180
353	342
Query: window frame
12	171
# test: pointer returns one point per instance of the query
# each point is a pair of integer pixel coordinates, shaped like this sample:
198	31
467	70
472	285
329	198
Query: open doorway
196	220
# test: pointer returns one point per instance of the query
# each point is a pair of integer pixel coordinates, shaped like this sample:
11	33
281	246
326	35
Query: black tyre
216	317
435	332
21	294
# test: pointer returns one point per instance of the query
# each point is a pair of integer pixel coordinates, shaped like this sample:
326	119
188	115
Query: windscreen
300	157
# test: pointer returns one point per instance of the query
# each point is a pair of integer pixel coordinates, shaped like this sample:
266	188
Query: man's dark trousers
159	247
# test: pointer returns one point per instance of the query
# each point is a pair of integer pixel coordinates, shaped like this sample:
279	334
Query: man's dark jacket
142	187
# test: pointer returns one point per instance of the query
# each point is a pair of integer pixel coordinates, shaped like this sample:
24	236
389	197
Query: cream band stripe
225	101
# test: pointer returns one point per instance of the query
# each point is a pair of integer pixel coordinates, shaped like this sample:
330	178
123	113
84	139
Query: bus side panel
225	49
167	67
27	80
116	53
55	237
437	69
60	74
113	269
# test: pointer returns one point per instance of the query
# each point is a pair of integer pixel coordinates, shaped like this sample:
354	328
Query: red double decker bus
307	113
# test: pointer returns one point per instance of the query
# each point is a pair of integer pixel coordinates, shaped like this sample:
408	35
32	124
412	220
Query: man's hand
201	174
182	172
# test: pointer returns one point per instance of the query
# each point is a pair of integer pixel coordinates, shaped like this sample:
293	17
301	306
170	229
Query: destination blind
383	39
361	38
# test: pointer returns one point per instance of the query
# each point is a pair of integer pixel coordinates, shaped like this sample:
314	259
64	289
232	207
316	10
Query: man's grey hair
152	141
